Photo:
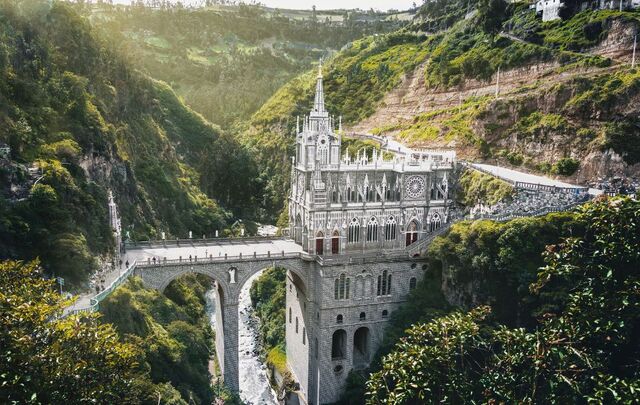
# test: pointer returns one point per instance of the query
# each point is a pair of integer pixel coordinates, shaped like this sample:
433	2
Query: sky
382	5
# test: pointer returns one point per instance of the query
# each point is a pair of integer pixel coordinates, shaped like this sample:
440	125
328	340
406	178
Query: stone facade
364	203
230	277
344	333
356	216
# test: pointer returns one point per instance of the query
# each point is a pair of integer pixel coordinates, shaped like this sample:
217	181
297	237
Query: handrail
199	242
218	259
95	300
526	185
412	249
417	246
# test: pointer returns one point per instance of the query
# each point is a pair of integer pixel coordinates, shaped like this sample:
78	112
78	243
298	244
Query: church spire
318	104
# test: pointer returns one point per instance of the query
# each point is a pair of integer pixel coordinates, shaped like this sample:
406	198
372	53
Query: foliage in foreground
588	350
171	330
45	360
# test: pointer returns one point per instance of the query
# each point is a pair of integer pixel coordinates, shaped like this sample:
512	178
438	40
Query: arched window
384	284
363	316
390	228
436	222
297	229
354	231
372	230
412	283
342	287
412	232
385	314
290	315
361	348
338	344
339	318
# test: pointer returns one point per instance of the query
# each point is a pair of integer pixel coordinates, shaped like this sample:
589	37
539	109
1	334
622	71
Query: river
254	382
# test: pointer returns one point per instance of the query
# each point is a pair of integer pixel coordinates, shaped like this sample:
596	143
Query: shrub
565	167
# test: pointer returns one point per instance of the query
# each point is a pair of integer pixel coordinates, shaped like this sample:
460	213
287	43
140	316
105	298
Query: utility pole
498	82
633	57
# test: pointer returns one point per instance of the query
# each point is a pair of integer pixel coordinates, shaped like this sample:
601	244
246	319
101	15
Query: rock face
542	88
618	44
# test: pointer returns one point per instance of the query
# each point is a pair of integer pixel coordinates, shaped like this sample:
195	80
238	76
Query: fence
217	259
95	301
196	242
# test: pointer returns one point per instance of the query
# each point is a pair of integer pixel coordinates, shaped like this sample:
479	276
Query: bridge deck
515	176
232	248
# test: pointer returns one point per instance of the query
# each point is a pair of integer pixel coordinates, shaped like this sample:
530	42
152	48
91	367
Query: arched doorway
412	233
319	243
361	347
339	345
335	243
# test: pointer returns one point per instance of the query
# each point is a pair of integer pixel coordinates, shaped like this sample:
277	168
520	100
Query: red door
319	245
335	245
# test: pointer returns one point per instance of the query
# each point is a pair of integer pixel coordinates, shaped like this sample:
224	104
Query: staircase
419	247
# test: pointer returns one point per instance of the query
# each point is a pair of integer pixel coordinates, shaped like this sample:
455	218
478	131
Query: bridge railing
226	258
534	213
95	301
198	242
417	246
527	185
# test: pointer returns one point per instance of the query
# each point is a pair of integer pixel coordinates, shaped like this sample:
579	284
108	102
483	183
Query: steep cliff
79	120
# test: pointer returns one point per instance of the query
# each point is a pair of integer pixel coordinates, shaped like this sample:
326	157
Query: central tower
355	217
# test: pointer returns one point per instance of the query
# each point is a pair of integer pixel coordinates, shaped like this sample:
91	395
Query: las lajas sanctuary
362	217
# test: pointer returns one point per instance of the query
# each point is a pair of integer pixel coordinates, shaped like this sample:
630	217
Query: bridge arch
230	278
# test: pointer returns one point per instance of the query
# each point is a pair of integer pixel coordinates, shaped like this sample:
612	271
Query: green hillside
226	61
452	52
80	120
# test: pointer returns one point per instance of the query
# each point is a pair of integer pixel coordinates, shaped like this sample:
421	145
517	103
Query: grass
278	358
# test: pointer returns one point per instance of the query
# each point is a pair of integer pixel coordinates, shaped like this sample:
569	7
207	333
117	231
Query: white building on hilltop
550	9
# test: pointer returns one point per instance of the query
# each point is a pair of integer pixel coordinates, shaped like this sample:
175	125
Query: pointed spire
318	104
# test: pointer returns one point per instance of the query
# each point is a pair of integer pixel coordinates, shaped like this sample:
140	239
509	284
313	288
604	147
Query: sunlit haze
382	5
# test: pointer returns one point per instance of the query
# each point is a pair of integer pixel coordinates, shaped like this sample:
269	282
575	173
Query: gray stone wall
332	372
297	333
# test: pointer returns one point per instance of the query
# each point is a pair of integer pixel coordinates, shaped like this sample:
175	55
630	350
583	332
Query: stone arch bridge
229	263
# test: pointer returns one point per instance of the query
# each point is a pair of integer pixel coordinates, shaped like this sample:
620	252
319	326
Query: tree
589	351
491	14
46	359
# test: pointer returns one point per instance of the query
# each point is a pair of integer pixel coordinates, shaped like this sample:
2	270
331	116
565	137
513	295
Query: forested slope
567	95
80	120
560	331
226	61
